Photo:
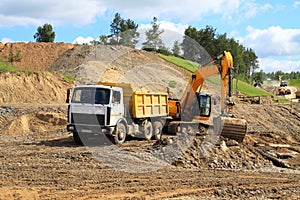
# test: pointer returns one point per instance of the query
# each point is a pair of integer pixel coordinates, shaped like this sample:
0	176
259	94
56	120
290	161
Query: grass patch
282	100
294	82
172	84
243	87
6	67
68	78
185	64
250	90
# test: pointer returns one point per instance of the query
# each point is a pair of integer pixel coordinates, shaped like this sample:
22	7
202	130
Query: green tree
207	38
190	46
258	78
123	32
176	48
103	39
153	37
115	29
44	33
201	45
129	33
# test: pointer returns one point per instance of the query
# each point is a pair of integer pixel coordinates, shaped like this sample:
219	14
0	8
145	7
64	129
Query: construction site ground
40	160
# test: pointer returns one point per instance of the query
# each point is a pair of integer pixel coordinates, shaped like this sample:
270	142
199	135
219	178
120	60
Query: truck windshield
91	95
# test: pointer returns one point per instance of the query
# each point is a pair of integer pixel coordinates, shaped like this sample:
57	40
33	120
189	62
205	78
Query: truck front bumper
80	128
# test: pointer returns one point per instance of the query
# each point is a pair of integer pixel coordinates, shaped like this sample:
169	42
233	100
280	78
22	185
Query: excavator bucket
229	127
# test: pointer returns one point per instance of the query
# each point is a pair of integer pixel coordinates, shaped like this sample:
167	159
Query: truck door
117	106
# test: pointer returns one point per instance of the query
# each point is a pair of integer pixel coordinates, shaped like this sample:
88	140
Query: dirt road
57	168
49	165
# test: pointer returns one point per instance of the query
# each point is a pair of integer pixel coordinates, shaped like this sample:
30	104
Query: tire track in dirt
58	168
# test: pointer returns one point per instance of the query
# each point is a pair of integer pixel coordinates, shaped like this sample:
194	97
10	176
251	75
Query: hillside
87	64
33	56
243	87
35	87
90	64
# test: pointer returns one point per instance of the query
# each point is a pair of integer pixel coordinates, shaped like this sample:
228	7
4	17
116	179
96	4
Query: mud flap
232	128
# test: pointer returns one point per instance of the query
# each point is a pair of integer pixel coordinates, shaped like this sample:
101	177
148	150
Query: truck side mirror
68	95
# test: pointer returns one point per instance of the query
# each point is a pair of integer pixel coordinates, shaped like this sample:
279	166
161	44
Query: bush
172	84
165	52
14	57
151	49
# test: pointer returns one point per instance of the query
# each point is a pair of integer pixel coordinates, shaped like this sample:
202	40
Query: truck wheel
157	130
174	128
120	134
77	138
148	130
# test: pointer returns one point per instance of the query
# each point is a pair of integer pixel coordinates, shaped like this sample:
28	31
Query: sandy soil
56	168
36	87
34	56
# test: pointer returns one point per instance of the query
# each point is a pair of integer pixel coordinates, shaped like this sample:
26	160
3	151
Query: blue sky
270	28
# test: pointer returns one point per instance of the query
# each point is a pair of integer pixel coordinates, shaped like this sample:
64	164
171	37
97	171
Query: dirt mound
277	118
36	87
31	120
90	64
69	61
32	123
35	55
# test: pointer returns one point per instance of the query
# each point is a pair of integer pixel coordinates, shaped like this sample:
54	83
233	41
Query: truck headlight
71	128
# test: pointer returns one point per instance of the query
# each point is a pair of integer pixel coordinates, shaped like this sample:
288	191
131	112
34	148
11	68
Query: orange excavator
195	104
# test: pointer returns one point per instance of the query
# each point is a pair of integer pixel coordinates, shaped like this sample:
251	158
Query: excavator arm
202	73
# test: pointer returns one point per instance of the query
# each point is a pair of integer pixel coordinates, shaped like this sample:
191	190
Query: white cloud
176	27
273	41
6	40
83	40
171	32
274	64
81	12
277	48
296	4
15	12
186	11
251	8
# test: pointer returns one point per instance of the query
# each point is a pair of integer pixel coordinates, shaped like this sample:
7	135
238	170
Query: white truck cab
95	108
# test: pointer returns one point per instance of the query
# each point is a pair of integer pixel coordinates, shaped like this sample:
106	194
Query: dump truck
115	110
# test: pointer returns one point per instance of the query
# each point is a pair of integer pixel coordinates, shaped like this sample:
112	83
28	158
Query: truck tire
120	134
148	130
77	138
157	130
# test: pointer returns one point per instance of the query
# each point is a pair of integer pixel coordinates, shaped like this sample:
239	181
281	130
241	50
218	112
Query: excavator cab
201	107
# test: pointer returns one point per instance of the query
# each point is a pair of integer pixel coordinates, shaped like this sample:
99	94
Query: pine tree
153	37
